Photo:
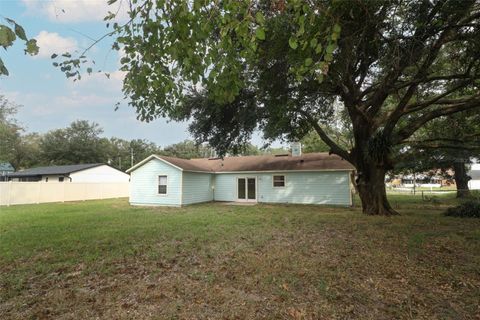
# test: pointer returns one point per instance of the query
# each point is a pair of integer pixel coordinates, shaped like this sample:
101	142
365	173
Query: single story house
5	168
313	178
94	172
474	173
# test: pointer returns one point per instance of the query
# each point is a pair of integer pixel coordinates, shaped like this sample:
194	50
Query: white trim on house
181	188
196	171
141	163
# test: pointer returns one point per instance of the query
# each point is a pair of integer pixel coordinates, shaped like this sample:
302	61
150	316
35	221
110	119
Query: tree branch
439	101
421	35
454	146
410	129
334	147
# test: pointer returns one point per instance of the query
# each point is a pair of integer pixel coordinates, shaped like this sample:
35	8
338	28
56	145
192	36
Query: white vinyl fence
41	192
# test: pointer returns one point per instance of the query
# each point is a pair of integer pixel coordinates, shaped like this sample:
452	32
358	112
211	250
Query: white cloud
112	84
52	42
71	11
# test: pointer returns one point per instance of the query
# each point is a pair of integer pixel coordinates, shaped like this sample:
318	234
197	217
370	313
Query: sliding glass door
247	189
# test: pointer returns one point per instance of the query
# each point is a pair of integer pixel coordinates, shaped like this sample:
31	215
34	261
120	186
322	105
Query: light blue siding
225	187
197	187
144	184
325	187
329	187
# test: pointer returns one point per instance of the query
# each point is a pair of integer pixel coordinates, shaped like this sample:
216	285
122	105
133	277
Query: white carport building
90	172
474	173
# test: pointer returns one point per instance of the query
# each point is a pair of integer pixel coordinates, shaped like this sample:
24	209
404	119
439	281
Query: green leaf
32	48
308	62
337	28
323	66
260	33
259	17
292	42
7	36
89	70
313	43
331	47
318	49
3	69
20	32
54	56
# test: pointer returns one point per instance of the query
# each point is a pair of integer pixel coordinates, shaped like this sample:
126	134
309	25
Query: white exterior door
247	189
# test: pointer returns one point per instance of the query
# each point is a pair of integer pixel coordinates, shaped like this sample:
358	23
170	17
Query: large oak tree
284	66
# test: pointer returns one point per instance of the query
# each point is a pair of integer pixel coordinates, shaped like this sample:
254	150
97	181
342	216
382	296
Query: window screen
279	181
162	184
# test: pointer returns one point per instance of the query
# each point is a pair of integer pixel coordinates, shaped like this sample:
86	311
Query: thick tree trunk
461	179
371	189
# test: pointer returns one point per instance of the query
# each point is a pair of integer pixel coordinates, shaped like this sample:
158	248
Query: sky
48	99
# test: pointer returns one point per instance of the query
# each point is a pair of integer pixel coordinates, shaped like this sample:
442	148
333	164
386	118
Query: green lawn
107	260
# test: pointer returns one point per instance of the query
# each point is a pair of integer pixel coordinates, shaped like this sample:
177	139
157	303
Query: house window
278	181
162	184
60	179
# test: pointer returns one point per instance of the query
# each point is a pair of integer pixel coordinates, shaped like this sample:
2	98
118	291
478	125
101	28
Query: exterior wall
327	187
102	173
225	187
197	187
474	184
33	192
144	184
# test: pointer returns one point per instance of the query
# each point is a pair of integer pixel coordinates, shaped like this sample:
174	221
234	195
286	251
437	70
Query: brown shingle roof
185	164
308	161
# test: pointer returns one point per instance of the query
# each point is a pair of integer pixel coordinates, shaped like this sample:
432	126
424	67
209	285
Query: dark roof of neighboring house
474	174
42	171
6	166
305	162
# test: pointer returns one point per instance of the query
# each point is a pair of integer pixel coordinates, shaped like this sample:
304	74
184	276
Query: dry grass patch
105	259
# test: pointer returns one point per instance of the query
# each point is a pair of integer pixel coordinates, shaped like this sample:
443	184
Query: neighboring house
432	179
474	173
5	169
422	180
315	178
96	172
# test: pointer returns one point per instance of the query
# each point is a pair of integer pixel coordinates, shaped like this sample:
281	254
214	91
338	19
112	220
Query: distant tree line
82	142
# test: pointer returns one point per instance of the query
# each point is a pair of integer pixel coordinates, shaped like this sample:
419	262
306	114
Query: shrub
468	209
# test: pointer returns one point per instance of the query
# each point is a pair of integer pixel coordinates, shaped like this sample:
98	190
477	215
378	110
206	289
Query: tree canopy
280	66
